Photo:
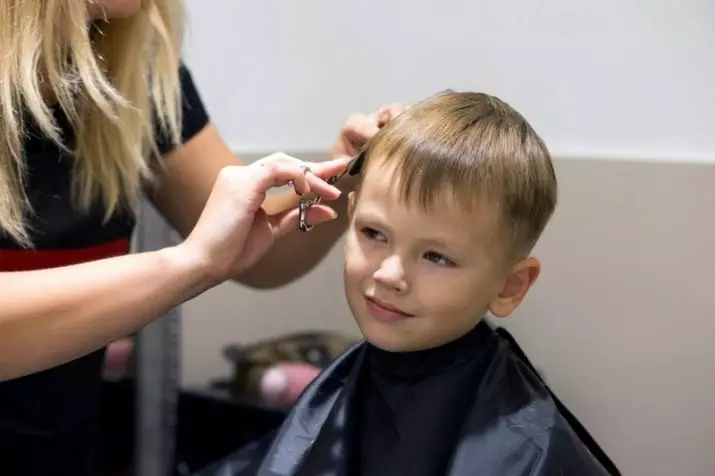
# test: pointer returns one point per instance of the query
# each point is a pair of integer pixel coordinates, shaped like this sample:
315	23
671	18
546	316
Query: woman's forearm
50	317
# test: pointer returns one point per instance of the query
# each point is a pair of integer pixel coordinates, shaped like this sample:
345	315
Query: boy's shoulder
517	411
514	419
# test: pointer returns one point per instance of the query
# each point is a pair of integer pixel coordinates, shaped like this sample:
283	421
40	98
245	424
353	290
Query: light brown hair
479	149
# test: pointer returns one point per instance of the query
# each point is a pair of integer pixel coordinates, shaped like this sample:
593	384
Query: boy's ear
351	205
515	286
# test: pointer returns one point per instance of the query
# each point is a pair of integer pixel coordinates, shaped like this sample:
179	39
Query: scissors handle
303	213
354	167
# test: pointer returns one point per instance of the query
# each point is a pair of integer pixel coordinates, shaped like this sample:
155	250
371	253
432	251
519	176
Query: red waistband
28	260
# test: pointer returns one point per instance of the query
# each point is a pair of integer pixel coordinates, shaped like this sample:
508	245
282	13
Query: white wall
608	75
624	93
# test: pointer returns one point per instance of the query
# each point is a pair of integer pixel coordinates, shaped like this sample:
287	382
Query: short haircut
479	149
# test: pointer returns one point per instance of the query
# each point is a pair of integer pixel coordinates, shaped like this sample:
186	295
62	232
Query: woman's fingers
279	169
359	129
388	113
328	168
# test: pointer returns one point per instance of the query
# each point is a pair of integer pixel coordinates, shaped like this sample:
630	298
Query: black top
472	407
411	397
48	420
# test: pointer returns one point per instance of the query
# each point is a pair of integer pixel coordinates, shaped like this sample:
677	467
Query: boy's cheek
356	269
450	301
356	262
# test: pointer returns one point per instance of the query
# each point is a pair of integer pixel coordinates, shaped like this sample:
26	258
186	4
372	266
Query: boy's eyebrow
371	214
439	243
459	247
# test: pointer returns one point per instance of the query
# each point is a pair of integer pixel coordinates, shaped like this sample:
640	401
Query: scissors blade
354	167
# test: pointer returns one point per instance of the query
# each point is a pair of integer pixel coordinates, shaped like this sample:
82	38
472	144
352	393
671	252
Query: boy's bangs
429	174
469	151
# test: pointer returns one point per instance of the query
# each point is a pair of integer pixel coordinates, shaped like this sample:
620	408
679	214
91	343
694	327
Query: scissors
354	167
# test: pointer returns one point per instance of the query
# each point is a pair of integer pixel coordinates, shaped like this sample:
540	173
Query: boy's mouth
384	311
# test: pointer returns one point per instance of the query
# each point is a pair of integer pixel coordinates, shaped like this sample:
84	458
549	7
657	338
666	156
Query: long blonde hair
115	80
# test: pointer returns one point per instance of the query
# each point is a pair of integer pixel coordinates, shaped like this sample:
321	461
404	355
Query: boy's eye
439	259
372	234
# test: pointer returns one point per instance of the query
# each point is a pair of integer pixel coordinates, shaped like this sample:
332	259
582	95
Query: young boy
454	194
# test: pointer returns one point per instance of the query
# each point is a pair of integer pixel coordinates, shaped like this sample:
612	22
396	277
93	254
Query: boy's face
416	280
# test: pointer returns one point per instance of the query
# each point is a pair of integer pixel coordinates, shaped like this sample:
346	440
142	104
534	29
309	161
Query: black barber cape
474	406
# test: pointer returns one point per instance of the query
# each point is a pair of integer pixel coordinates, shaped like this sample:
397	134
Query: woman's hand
234	232
356	132
360	128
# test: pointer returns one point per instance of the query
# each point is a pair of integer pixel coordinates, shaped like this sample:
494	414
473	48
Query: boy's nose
391	274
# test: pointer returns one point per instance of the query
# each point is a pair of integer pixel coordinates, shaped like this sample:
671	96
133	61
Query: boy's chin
391	339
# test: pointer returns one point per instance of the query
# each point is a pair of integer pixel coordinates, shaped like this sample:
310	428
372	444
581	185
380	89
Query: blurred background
622	322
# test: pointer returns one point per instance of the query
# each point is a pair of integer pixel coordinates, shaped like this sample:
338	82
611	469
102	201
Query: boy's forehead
380	193
386	183
377	182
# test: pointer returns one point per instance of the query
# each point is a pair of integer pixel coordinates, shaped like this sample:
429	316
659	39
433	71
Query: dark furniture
210	425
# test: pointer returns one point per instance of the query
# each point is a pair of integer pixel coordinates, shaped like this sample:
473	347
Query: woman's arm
188	173
50	317
184	184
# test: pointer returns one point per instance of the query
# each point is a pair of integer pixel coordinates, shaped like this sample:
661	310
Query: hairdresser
93	114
